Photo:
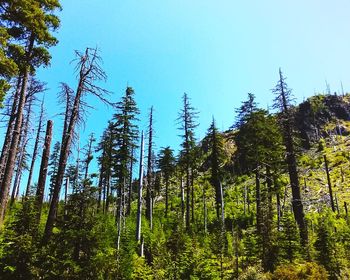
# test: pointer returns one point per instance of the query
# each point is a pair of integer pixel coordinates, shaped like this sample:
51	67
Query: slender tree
150	179
36	146
125	131
43	169
216	159
166	164
187	119
139	198
89	71
283	102
33	21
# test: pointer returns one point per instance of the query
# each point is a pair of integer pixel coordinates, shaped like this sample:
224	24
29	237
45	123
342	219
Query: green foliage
307	271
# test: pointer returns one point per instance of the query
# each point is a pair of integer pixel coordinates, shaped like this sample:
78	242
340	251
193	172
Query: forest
265	199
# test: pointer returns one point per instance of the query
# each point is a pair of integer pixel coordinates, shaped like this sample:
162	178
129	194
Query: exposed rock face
313	114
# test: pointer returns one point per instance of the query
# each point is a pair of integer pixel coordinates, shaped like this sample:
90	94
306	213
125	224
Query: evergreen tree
29	23
283	101
89	72
325	245
166	164
216	159
125	131
187	118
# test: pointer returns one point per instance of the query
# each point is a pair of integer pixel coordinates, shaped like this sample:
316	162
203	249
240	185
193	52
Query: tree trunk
43	168
205	212
149	193
258	200
64	153
128	210
8	136
329	184
35	151
10	164
182	194
297	204
166	196
139	201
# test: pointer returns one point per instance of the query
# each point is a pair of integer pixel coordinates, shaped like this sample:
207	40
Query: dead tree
149	190
35	150
89	71
329	183
43	169
139	198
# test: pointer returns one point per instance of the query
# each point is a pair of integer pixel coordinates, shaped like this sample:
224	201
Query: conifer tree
283	101
125	131
89	72
166	164
30	22
150	179
36	146
187	119
216	159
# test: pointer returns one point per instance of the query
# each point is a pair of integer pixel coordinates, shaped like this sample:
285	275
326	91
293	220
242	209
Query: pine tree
31	22
283	103
89	72
187	119
125	131
166	164
216	159
150	171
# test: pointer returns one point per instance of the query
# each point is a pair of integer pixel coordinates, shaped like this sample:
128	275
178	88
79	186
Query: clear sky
216	51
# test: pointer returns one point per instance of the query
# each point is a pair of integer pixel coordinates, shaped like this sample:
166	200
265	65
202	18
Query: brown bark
139	201
10	164
35	150
8	136
297	204
329	183
43	168
149	190
258	201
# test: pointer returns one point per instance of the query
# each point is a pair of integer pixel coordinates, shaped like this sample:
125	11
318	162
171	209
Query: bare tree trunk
222	205
8	136
130	182
120	214
43	168
100	189
192	196
329	184
7	178
139	201
89	156
108	186
258	200
205	212
149	193
65	148
35	151
166	196
188	197
182	194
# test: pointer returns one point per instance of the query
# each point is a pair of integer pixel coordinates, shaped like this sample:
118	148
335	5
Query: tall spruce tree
187	119
216	160
30	23
282	102
125	131
166	164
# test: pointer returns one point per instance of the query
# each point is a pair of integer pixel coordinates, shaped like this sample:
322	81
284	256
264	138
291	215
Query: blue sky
216	51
